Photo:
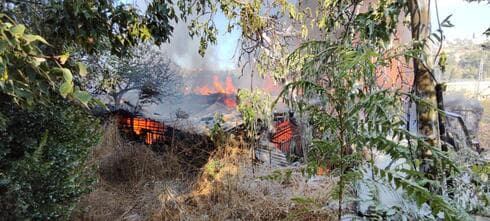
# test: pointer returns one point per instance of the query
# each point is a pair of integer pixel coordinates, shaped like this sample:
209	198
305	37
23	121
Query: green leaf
3	45
44	139
4	75
82	69
64	57
66	88
487	32
38	61
67	74
83	96
31	38
18	30
446	23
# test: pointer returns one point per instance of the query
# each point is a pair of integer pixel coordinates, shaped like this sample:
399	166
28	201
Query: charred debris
278	145
282	142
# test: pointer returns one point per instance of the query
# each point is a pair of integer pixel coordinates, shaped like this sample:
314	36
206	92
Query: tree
46	138
92	25
43	152
424	82
333	83
38	37
147	70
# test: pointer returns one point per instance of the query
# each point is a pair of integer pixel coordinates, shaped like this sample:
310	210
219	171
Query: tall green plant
255	107
352	116
333	79
335	86
43	160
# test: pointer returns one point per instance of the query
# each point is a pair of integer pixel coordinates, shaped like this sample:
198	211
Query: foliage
347	115
254	106
351	115
27	74
335	87
471	192
45	140
43	152
481	169
333	78
471	188
94	25
217	133
263	24
31	67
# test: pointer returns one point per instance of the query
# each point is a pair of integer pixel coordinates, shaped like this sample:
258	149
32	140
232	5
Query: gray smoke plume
183	50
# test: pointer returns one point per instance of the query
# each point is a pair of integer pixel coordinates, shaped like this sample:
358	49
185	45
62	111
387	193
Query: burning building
226	93
140	128
286	136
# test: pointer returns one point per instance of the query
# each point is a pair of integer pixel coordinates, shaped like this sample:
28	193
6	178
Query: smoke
220	59
183	50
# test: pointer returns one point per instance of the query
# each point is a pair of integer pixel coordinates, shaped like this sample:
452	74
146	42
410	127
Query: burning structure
226	93
284	140
140	128
197	106
155	124
286	135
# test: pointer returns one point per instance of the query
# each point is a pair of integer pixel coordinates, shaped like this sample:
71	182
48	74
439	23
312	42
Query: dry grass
130	178
230	189
135	183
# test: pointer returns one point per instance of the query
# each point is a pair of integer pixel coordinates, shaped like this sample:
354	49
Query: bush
43	152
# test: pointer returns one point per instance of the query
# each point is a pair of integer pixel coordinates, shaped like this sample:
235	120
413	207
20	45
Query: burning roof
228	92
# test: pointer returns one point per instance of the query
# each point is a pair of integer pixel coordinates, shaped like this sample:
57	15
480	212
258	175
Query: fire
228	90
217	85
286	137
269	86
229	102
204	90
152	130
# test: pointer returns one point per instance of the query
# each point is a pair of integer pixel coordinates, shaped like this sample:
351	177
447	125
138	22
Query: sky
470	20
184	51
220	57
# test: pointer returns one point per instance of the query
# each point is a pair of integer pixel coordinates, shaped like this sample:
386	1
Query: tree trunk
117	100
117	96
424	84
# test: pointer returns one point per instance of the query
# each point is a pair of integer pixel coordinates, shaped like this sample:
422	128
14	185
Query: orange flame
270	86
217	85
153	130
204	90
229	102
228	91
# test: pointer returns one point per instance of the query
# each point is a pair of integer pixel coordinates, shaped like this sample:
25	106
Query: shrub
43	152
